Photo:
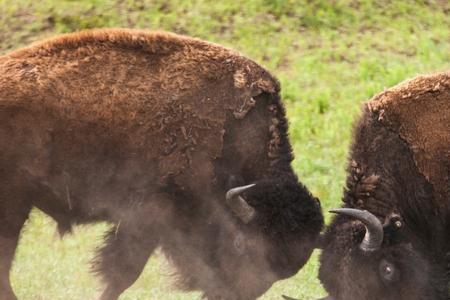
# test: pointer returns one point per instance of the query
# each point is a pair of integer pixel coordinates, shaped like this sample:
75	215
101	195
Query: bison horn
374	230
238	204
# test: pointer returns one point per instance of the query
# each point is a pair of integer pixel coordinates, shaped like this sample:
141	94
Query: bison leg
14	210
45	199
122	259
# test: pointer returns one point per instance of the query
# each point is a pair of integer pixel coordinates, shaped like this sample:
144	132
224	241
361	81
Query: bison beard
391	238
148	131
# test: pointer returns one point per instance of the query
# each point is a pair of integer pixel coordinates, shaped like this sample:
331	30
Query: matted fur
191	86
419	110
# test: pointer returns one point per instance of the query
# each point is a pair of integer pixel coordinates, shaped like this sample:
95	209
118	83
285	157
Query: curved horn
374	230
238	204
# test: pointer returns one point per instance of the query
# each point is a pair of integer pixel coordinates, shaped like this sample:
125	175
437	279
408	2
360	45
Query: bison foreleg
14	209
122	259
7	249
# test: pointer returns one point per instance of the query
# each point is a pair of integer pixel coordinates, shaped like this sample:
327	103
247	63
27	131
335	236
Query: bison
391	238
177	143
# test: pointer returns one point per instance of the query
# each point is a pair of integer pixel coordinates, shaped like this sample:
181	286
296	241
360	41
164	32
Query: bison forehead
419	111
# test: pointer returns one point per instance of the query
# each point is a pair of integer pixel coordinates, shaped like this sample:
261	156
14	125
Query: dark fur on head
285	206
287	215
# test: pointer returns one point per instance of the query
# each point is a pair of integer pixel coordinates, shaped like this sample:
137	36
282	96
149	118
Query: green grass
329	55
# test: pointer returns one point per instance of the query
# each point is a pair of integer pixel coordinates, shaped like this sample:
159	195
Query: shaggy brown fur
97	76
148	130
412	109
398	170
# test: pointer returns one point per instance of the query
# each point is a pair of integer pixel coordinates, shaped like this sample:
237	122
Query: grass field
329	55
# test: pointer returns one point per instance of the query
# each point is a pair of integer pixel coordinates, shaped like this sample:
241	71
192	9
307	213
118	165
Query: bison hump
168	96
419	111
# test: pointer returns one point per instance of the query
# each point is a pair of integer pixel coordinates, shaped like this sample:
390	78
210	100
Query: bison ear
238	204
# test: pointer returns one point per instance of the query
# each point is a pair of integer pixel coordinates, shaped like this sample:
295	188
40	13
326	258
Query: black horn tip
287	297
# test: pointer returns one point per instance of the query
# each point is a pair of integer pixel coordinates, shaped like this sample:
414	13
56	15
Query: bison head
276	229
364	259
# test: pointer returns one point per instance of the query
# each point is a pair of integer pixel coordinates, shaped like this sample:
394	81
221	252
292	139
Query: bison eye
388	271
